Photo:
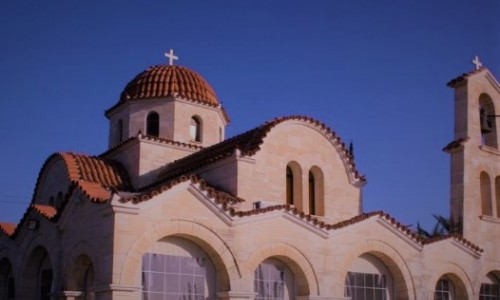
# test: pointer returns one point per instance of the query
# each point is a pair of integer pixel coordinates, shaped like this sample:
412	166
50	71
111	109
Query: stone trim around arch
404	285
305	276
485	271
81	248
458	274
219	252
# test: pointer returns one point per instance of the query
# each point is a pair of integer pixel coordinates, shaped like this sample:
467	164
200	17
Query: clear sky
374	71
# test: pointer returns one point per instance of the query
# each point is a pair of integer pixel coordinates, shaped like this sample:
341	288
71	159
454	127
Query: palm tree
444	226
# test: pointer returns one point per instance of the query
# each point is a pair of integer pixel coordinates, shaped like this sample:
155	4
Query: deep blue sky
374	71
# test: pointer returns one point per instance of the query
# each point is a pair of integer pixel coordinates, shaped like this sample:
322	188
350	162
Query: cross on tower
477	63
171	57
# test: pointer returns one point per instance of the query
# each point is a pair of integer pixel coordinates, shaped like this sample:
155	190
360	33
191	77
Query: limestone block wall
318	259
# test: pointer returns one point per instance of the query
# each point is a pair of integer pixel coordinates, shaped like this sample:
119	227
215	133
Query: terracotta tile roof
455	144
213	192
168	80
45	210
460	80
248	143
94	191
7	228
155	139
457	237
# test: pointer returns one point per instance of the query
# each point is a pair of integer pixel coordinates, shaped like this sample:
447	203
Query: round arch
296	261
81	259
37	273
461	281
485	272
7	282
404	286
219	252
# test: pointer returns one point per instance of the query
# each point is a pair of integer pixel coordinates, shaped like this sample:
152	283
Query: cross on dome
171	57
477	62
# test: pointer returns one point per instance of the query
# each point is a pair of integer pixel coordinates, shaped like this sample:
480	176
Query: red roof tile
45	210
7	228
94	191
457	237
248	143
168	80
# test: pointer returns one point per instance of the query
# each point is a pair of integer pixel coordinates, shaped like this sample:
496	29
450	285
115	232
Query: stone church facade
174	210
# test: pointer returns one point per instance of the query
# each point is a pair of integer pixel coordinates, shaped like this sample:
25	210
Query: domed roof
169	80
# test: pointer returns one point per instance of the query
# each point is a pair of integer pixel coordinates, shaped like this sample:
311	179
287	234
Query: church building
175	210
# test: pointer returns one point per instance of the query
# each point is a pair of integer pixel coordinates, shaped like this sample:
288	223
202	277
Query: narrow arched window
289	185
316	192
153	124
312	194
486	204
119	131
444	289
487	121
195	129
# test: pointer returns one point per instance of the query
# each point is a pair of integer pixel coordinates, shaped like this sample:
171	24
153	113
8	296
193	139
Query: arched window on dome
486	201
153	124
195	129
450	287
487	121
316	191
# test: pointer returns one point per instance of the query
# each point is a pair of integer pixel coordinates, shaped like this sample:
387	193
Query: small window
120	131
486	203
153	124
195	129
312	194
289	185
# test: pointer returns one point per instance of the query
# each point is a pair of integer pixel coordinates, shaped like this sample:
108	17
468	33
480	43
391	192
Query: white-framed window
444	290
369	279
176	268
366	286
273	281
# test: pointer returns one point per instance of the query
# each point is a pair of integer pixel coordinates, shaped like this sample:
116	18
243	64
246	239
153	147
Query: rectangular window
366	286
166	277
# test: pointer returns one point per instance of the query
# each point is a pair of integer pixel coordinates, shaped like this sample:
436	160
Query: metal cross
171	57
477	63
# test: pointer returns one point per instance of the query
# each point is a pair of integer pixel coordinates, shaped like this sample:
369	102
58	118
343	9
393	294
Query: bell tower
475	155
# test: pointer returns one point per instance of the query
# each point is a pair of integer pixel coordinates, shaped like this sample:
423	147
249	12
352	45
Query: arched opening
487	121
274	280
195	129
293	184
176	268
450	287
486	204
369	278
490	287
82	277
316	191
7	284
153	124
37	276
119	129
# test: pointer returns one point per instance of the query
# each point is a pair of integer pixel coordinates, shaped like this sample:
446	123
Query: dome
169	80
